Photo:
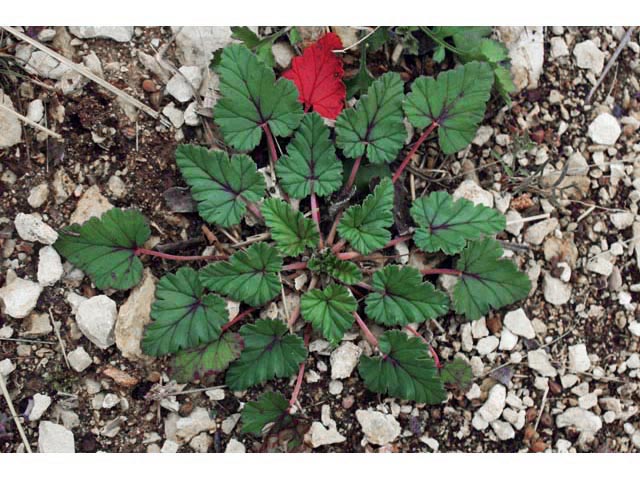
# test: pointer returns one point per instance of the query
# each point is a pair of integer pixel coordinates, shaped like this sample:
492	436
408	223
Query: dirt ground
527	165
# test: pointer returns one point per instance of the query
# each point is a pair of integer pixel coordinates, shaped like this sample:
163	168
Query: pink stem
436	359
294	266
253	208
352	175
338	246
236	319
371	338
364	286
315	214
294	316
396	241
298	386
413	150
182	258
334	230
348	255
441	271
270	142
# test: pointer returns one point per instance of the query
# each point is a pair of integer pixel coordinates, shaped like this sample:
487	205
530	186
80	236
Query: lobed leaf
222	186
250	96
250	276
366	226
406	370
311	164
374	127
330	311
457	373
401	297
486	280
290	230
270	351
105	248
445	224
208	359
184	317
270	407
456	101
318	74
341	270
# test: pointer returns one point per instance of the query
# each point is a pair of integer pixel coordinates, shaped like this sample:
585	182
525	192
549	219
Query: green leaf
294	36
251	96
362	80
270	407
457	373
377	39
311	163
401	297
487	281
504	82
406	370
456	101
445	224
366	173
250	276
290	230
270	351
105	248
208	359
341	270
246	36
330	311
365	226
184	317
374	127
221	186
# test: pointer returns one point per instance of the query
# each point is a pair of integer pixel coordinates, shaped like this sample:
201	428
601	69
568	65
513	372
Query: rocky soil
558	373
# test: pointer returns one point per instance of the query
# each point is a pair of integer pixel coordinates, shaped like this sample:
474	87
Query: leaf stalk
413	150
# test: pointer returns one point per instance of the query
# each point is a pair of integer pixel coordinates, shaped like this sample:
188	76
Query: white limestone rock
96	319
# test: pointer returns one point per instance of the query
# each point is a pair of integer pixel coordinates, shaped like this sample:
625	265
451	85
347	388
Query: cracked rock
19	298
344	359
134	315
91	204
49	266
79	359
518	322
495	403
54	438
604	130
321	435
32	229
10	127
578	359
589	56
119	34
539	361
96	318
378	428
583	420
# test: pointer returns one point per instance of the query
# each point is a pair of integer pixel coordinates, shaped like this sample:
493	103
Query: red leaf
318	75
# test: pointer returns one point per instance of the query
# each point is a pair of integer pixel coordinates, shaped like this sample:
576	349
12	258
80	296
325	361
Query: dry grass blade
14	415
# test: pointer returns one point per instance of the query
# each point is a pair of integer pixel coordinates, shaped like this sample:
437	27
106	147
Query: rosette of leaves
298	240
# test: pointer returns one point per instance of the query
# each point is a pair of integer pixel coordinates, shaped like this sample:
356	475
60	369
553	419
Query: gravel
539	361
579	361
518	323
79	359
49	266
